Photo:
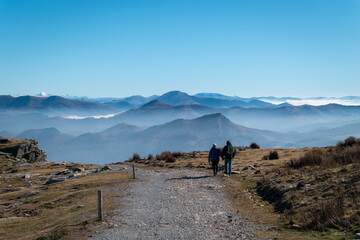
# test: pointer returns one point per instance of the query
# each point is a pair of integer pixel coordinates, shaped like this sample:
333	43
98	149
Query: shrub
136	156
346	152
150	156
177	154
254	146
273	155
326	214
167	156
314	157
350	141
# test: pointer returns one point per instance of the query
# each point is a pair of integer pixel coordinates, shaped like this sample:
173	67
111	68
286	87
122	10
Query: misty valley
174	121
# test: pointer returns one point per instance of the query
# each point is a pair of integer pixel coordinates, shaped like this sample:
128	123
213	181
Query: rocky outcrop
22	150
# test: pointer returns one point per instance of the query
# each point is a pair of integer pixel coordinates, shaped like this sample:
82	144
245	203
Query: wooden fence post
100	213
133	171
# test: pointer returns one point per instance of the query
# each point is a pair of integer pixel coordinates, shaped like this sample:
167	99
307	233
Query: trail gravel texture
176	204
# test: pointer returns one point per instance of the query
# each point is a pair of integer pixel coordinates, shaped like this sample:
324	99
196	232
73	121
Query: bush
346	152
150	156
136	156
177	154
314	157
349	142
273	155
254	146
167	156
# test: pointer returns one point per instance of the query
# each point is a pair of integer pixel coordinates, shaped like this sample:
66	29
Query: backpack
230	150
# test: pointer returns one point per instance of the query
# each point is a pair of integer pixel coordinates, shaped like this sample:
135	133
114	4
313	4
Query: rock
273	181
28	194
63	172
26	151
300	185
235	172
26	176
267	164
105	168
81	206
245	168
357	236
9	218
200	166
57	200
54	180
257	172
13	189
76	174
252	168
15	205
296	226
342	181
78	169
256	165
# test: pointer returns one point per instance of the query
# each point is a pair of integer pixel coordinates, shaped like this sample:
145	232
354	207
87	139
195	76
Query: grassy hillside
307	193
31	207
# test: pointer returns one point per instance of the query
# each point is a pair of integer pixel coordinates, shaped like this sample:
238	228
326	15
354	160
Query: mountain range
173	121
119	142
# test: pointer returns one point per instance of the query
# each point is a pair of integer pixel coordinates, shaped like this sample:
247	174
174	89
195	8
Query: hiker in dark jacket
214	157
228	153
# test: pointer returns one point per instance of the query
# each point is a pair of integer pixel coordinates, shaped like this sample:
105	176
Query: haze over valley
102	130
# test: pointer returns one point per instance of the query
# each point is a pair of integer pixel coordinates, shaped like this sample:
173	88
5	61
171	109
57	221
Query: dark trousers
215	166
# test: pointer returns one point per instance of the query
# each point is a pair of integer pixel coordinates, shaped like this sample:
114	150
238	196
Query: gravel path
176	204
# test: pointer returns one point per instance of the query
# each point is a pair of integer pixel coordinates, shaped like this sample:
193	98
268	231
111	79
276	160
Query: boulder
105	168
26	151
300	185
28	194
54	180
78	169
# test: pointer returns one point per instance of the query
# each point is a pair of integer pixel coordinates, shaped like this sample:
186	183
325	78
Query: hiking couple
227	153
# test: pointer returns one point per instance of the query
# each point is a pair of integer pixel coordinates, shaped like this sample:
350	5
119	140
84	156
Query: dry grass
272	196
61	210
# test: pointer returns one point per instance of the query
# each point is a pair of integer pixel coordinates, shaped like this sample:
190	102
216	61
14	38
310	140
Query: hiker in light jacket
214	157
228	153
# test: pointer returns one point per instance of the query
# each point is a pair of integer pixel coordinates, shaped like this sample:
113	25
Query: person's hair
228	143
214	144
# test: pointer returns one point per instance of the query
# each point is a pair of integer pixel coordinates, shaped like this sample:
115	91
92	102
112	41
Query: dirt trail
176	204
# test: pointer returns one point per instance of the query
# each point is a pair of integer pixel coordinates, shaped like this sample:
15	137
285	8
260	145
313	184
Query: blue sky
125	47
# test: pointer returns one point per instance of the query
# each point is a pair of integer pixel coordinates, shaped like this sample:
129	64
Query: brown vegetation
271	156
254	146
63	210
304	189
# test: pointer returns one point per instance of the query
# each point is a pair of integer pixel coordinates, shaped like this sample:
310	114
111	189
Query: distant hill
52	104
120	141
119	104
211	100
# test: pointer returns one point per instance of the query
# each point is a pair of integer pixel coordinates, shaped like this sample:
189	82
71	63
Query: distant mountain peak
175	93
176	98
155	103
214	117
